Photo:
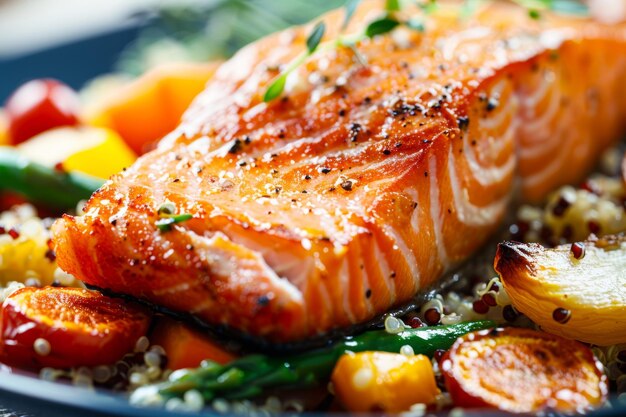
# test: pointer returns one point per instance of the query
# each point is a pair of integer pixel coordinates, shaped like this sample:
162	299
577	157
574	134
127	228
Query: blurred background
76	40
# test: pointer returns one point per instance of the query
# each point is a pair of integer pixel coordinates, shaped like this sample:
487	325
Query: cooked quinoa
570	214
25	253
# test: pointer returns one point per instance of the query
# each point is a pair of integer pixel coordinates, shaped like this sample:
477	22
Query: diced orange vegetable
380	381
4	129
94	151
523	371
150	107
67	327
185	346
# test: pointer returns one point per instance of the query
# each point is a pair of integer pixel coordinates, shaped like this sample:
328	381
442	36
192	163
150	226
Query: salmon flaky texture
365	181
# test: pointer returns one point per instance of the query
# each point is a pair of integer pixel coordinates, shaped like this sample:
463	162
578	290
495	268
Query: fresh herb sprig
168	218
312	43
380	26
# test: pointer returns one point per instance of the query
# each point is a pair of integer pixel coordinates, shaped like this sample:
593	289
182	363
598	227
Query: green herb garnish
166	221
381	26
312	42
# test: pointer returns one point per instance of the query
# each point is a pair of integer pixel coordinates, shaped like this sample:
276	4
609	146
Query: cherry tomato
67	327
40	105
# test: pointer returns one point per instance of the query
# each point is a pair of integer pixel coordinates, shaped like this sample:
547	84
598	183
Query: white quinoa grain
142	344
407	350
152	358
194	400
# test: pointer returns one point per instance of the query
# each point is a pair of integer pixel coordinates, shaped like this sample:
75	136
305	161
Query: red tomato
67	327
40	105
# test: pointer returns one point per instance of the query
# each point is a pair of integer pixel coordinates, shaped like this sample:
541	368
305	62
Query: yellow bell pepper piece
4	130
147	109
90	150
380	381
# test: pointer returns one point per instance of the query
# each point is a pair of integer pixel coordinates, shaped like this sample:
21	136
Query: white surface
31	25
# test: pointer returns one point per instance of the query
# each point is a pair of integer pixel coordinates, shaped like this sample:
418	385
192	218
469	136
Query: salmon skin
365	181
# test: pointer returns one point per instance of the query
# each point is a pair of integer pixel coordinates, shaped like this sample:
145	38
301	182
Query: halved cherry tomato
67	327
523	371
185	346
40	105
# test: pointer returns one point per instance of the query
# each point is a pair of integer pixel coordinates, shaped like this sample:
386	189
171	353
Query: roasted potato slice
577	291
523	371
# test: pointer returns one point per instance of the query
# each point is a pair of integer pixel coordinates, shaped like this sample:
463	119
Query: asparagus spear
42	184
253	375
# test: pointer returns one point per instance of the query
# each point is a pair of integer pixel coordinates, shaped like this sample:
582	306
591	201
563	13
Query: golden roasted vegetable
577	291
94	151
4	129
380	381
523	371
150	107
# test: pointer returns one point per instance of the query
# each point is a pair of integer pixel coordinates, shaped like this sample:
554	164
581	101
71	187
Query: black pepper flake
368	293
578	250
463	122
242	163
189	247
492	104
50	255
331	189
398	144
426	173
304	191
307	177
235	147
342	112
561	315
355	129
176	180
426	141
247	140
392	274
323	170
114	222
347	185
387	152
263	301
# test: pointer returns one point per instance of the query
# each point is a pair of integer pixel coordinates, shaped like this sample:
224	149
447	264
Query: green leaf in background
214	29
313	41
350	8
381	26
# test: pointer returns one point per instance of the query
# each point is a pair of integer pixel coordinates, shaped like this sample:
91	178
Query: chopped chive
165	224
381	26
534	14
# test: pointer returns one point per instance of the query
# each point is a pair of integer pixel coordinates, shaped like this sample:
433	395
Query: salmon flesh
378	169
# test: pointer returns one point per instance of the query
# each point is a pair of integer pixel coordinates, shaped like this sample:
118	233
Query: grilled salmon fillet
374	173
